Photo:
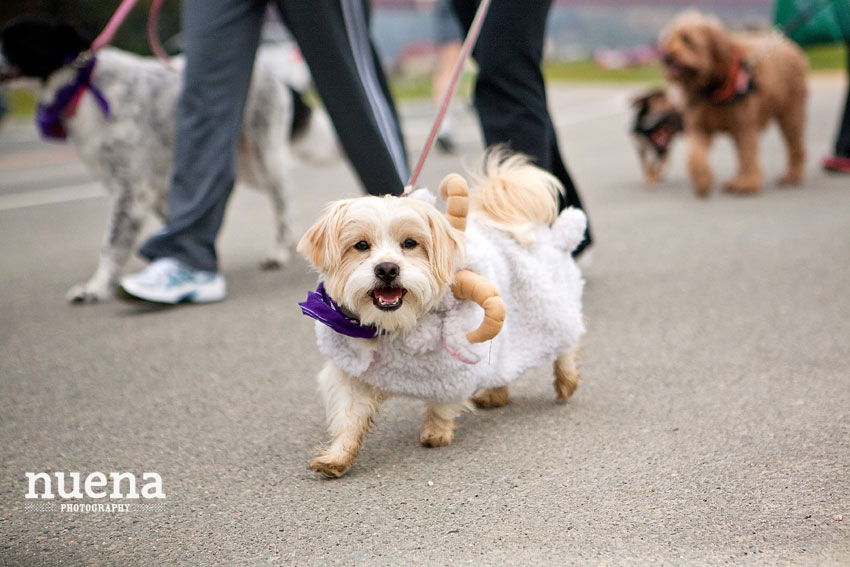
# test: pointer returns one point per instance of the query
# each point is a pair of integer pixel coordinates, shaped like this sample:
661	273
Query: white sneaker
166	280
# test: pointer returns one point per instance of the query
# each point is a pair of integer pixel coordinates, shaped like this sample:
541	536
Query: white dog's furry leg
350	405
281	251
439	426
125	221
567	375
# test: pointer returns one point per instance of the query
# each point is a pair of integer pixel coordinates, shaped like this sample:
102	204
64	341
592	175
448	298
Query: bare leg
350	405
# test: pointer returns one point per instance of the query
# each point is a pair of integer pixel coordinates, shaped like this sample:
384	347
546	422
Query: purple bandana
322	308
49	117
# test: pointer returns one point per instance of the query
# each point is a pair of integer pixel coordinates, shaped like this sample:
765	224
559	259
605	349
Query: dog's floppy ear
38	46
448	246
720	47
320	244
642	101
71	39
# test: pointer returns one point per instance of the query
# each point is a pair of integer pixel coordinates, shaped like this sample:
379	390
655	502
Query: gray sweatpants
220	42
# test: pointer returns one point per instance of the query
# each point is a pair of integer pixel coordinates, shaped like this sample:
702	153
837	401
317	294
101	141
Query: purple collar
50	117
322	308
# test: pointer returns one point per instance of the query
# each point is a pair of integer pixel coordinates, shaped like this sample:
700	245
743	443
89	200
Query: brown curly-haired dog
736	85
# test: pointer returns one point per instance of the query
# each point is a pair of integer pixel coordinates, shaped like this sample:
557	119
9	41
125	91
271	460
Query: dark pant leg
220	40
333	36
510	94
842	140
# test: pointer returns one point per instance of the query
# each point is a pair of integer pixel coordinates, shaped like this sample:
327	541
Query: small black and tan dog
657	122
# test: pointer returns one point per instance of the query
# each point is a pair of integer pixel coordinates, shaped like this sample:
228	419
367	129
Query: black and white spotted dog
121	116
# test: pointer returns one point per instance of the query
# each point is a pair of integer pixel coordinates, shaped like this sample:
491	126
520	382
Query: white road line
594	110
51	196
564	116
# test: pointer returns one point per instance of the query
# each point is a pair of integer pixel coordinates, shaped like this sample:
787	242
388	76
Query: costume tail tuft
514	195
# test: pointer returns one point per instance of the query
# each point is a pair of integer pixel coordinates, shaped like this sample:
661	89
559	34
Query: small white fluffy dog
390	327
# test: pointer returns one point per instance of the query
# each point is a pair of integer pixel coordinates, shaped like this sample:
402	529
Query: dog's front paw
436	436
702	184
331	466
701	176
743	185
88	293
792	178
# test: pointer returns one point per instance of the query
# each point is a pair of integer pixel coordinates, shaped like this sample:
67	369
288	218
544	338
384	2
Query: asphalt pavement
711	426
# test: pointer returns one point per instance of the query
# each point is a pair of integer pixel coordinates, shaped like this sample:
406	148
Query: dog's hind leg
492	398
125	221
792	126
266	169
350	406
438	429
567	375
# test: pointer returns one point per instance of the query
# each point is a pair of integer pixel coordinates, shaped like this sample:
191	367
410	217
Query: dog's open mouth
675	70
387	298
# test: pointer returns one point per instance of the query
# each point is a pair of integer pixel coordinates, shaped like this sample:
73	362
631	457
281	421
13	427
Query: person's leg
509	91
220	40
570	198
333	36
842	140
839	161
510	94
449	39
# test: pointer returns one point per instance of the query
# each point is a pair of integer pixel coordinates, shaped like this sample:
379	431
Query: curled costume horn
468	284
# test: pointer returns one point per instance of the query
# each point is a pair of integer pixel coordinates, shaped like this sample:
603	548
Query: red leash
465	50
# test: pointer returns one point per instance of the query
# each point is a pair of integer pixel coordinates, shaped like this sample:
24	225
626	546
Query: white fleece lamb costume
541	286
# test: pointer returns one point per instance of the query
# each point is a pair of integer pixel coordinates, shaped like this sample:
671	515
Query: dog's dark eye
362	245
409	243
687	40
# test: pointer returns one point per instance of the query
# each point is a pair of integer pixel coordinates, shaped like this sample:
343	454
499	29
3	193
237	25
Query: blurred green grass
20	102
821	58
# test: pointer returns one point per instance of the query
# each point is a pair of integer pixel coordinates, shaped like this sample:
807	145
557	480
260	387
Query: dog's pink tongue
673	71
388	294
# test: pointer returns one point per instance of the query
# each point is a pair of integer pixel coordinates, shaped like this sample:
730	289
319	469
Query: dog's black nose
386	271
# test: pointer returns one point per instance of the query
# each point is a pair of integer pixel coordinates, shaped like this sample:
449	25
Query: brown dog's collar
737	84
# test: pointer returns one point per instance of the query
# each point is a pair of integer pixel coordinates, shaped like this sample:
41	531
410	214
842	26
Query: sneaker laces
162	271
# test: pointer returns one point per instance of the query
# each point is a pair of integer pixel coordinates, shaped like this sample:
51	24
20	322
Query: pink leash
108	34
465	50
112	26
153	37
